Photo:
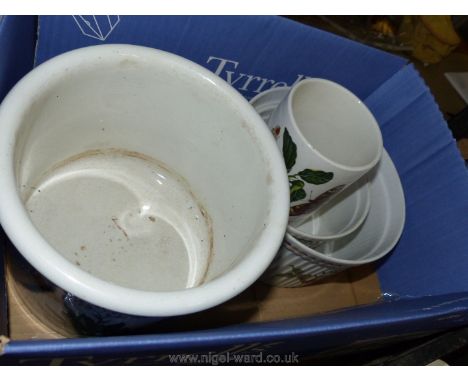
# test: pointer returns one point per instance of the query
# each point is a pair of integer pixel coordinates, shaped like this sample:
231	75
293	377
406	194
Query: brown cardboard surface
259	303
339	291
22	323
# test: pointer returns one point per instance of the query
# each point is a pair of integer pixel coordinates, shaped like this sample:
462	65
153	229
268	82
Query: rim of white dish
28	241
269	92
327	258
363	194
305	81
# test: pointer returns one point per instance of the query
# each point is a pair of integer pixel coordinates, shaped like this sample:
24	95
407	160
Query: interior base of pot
125	218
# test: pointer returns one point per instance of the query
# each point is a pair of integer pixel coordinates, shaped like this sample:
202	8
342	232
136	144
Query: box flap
253	53
365	325
17	44
430	258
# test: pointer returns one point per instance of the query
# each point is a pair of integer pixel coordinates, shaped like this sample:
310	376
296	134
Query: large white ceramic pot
138	182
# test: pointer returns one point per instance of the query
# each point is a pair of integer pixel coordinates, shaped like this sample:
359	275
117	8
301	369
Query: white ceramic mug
329	139
139	181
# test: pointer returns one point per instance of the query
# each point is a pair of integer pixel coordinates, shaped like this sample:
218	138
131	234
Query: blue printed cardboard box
419	288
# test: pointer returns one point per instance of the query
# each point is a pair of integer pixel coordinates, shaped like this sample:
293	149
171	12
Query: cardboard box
419	288
17	45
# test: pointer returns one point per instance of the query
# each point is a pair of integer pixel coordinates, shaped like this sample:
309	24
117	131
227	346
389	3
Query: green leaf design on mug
296	186
296	190
297	195
289	150
315	176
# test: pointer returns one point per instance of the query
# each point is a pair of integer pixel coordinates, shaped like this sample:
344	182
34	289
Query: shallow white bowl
298	265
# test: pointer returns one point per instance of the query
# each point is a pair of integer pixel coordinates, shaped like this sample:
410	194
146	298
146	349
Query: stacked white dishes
360	225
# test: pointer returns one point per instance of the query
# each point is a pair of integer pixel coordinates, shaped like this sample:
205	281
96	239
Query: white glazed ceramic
139	181
329	139
335	219
267	101
297	265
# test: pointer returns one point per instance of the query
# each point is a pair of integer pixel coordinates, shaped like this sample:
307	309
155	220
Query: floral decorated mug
329	139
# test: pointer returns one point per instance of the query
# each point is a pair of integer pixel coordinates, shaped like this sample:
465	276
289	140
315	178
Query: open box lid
252	53
422	281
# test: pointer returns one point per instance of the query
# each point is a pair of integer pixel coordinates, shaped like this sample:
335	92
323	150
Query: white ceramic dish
298	265
265	102
338	218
